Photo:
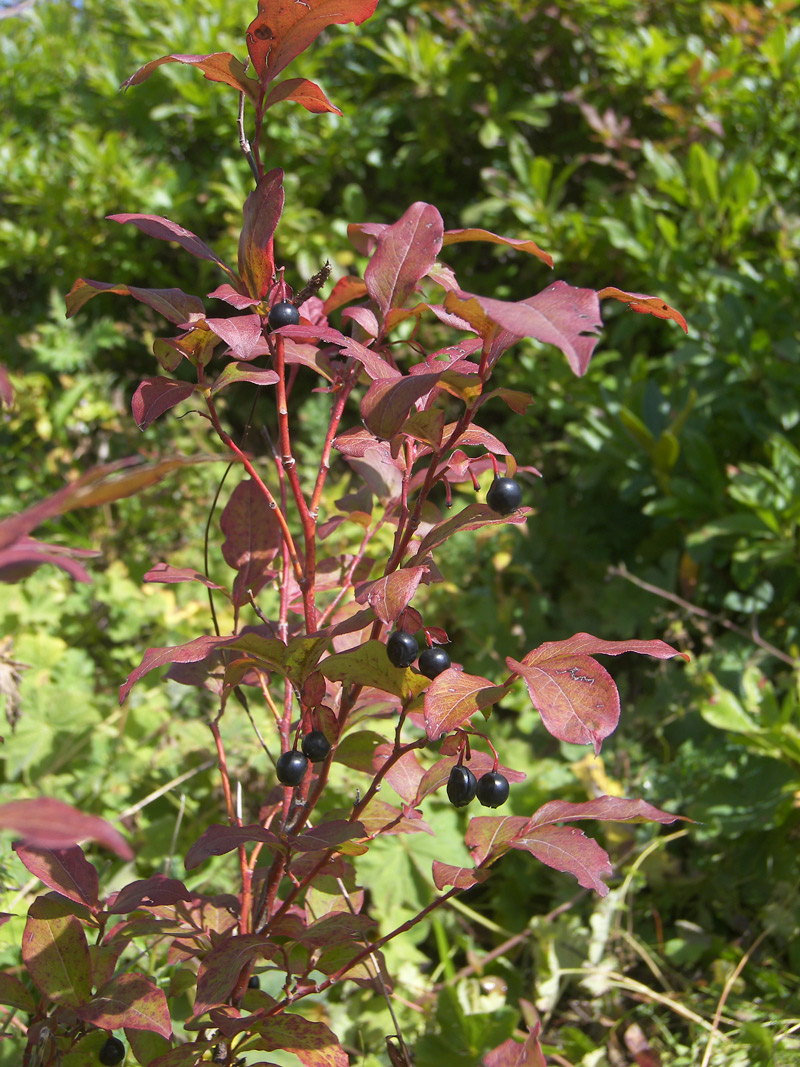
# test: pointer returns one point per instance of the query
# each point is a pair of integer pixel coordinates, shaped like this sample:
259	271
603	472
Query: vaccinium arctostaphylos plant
318	644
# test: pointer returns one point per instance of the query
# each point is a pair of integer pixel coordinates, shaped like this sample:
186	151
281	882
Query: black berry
254	983
433	661
402	649
461	786
316	746
291	767
504	496
283	314
492	789
112	1052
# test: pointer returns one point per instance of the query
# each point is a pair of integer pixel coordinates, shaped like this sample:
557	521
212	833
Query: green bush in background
653	146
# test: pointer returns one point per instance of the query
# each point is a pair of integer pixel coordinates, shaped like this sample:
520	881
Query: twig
621	571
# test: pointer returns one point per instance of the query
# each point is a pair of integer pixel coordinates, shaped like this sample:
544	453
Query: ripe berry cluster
462	786
291	766
402	649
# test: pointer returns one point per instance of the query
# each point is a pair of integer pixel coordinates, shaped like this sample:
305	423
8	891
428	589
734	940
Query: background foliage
655	147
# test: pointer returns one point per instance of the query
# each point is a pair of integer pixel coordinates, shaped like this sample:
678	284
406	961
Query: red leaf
219	67
165	230
222	966
302	92
64	869
388	402
473	517
646	305
328	835
217	840
460	877
489	837
173	304
405	253
454	237
192	652
604	809
576	697
388	596
244	334
283	29
513	1054
262	210
130	1000
152	892
232	296
56	953
169	575
313	1043
560	315
22	559
48	823
252	539
453	696
565	848
155	396
404	775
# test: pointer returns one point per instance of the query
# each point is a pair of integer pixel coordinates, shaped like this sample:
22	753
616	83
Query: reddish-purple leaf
461	877
233	297
366	319
645	305
244	335
568	849
513	1054
192	652
345	290
56	953
252	539
219	67
374	364
328	835
406	251
173	304
157	395
312	1042
388	596
454	237
576	697
152	892
472	517
283	29
489	837
222	966
169	575
64	869
235	373
184	1055
6	388
165	230
560	315
22	559
388	402
404	775
336	928
380	817
13	994
453	697
604	809
302	92
47	823
218	840
130	1000
262	210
